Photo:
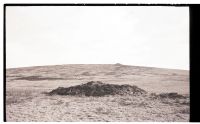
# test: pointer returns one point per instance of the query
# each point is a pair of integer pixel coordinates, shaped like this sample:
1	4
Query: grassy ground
26	100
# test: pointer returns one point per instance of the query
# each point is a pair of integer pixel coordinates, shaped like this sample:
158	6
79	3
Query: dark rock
97	88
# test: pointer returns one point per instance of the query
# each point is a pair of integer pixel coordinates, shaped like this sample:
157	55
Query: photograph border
192	29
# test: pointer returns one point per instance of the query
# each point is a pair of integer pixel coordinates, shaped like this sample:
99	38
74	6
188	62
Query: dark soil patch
171	95
97	88
37	78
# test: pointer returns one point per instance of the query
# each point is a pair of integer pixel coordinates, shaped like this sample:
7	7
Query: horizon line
96	64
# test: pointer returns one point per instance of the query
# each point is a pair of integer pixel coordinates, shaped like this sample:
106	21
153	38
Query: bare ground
26	100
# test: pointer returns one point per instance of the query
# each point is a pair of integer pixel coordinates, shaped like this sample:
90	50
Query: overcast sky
132	35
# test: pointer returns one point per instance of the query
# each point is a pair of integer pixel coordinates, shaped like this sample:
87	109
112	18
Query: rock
97	88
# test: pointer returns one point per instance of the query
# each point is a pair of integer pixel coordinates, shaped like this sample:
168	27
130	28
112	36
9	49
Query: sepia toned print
97	63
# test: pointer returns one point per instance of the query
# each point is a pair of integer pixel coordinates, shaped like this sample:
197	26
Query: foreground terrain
27	99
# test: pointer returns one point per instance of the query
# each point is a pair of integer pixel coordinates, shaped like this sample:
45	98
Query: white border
106	1
2	2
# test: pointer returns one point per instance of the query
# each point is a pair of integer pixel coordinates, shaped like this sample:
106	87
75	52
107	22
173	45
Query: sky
152	36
